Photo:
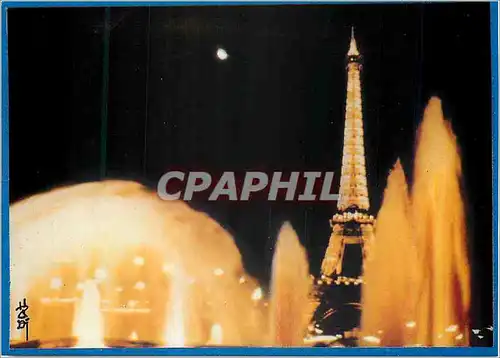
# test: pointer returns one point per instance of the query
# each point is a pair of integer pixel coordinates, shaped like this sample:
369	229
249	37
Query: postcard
249	178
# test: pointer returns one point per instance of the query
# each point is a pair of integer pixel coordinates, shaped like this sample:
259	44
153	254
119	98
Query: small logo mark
22	317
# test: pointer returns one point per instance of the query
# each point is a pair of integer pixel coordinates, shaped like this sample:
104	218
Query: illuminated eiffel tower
338	290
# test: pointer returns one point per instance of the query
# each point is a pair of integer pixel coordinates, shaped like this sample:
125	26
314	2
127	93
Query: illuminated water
419	272
290	286
390	270
88	324
164	272
440	233
111	262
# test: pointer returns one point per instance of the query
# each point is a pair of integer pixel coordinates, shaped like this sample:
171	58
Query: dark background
276	103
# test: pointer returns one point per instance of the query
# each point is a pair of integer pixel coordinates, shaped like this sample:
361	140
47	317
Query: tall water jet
440	233
290	287
89	324
390	271
418	269
216	335
175	323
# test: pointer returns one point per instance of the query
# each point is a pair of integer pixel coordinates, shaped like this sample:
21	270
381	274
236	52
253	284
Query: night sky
276	103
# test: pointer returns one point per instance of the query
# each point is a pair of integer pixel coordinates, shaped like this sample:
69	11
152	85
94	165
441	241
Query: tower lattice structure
338	290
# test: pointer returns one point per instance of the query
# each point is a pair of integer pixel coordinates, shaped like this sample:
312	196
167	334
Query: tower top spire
353	47
353	185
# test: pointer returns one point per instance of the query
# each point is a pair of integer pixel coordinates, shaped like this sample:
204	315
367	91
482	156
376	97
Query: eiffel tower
338	289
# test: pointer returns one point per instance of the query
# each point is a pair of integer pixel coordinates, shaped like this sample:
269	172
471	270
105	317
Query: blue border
494	127
5	189
250	351
261	351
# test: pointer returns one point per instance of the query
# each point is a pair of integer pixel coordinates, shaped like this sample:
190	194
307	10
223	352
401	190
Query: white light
100	274
452	328
140	285
88	325
257	294
138	260
133	336
242	279
222	54
168	268
218	272
216	334
411	324
56	283
320	339
371	339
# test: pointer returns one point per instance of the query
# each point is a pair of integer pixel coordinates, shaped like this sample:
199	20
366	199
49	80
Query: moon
222	54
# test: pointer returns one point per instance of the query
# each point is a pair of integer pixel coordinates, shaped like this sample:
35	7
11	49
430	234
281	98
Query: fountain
140	271
165	274
391	269
440	233
175	325
290	289
419	272
89	324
